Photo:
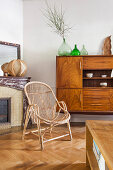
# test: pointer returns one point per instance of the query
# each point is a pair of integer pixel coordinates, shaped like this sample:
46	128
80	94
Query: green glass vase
83	51
64	49
75	51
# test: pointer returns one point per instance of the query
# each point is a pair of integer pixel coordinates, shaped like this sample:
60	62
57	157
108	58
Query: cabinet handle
80	99
96	104
80	65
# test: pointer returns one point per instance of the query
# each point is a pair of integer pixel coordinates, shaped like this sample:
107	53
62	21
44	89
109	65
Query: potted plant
56	21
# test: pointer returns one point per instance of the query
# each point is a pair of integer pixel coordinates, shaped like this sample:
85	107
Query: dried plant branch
55	20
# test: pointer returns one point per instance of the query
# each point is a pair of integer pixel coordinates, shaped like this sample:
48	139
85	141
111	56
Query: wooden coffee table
102	133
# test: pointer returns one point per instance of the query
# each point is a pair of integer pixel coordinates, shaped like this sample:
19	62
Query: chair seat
62	118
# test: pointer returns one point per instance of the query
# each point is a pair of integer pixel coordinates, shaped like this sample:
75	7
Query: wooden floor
57	155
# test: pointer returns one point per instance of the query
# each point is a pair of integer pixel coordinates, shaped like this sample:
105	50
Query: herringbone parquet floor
61	154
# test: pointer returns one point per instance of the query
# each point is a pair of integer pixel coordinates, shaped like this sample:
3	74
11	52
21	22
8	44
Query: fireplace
5	110
11	106
13	102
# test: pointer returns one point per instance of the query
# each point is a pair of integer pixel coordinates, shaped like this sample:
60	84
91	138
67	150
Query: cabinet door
111	99
96	99
72	98
69	72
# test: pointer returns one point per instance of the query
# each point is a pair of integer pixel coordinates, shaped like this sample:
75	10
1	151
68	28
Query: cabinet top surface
88	56
102	133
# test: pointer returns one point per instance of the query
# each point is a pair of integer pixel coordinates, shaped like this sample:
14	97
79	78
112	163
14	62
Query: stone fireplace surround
12	87
16	97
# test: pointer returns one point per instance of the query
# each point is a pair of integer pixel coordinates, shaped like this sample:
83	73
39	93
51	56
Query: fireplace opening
5	110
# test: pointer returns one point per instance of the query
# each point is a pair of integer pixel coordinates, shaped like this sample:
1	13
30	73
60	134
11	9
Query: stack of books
99	157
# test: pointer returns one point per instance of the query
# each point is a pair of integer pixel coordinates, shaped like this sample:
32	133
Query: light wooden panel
90	157
72	97
102	133
69	72
97	62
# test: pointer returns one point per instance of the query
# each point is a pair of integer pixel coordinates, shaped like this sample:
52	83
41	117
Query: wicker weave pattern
43	107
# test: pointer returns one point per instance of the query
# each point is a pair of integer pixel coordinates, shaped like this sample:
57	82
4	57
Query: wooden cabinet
81	93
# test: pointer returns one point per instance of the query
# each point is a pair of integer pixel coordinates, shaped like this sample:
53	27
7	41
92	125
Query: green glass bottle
64	49
75	51
83	51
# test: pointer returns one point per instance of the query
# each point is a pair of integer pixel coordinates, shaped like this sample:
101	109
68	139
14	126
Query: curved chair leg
41	142
40	135
70	134
38	127
26	122
51	128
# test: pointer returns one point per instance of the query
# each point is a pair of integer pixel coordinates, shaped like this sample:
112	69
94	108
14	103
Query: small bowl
89	75
103	84
104	75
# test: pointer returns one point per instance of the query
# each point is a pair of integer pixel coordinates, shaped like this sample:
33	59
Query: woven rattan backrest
41	94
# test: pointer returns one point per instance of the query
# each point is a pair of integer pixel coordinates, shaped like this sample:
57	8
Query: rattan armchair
44	108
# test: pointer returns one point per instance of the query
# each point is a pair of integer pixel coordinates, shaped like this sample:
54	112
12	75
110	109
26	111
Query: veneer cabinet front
80	93
72	97
69	72
97	62
97	99
69	81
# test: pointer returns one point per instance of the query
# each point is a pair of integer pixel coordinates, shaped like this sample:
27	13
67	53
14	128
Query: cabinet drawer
96	99
97	62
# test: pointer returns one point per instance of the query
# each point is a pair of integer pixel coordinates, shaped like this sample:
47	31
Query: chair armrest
34	108
62	106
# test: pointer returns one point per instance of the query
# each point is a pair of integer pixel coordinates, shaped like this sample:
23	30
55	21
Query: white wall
92	21
11	21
